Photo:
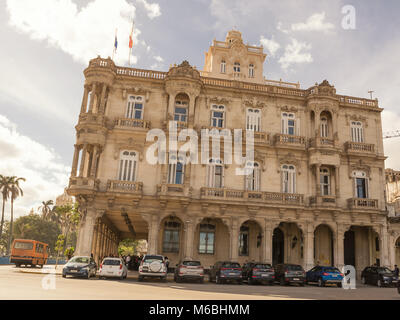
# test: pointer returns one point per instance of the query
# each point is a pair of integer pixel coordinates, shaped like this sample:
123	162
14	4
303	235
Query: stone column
339	254
83	159
267	243
75	161
234	237
317	180
392	250
95	236
153	234
94	161
92	97
337	182
189	239
86	240
171	107
384	237
308	234
84	99
102	241
102	99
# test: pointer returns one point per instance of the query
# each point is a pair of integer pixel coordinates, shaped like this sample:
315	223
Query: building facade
315	196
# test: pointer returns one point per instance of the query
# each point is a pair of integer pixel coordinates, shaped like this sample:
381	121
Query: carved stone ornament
253	102
356	117
130	145
184	70
290	158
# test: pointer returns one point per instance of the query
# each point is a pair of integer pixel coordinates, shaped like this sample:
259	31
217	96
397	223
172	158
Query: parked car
80	266
189	270
323	275
224	271
113	268
254	272
290	273
380	276
153	266
398	286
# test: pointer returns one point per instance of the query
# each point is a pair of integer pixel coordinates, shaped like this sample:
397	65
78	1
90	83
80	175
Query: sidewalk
45	269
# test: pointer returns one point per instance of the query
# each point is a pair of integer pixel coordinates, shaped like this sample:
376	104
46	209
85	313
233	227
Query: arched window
357	132
325	181
288	178
134	108
324	127
360	184
176	170
207	238
217	116
181	108
236	67
171	236
253	119
289	124
253	179
223	66
127	166
251	70
215	174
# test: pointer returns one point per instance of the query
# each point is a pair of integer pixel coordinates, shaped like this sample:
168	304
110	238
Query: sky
46	45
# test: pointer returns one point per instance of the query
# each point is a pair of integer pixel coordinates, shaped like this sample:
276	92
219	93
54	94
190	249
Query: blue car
322	275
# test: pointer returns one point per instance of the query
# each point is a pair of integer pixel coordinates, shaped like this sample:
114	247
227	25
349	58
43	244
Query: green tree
59	247
4	237
16	191
68	217
127	247
5	189
46	209
35	228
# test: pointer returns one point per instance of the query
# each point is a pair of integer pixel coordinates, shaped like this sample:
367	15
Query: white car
153	265
113	268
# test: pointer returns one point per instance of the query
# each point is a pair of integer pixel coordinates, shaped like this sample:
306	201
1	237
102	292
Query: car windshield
150	259
230	265
334	270
262	266
111	262
384	270
80	260
292	267
23	245
191	263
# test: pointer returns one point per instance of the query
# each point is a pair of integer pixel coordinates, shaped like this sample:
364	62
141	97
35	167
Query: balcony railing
92	118
360	147
131	123
362	203
124	186
256	196
287	139
174	190
325	201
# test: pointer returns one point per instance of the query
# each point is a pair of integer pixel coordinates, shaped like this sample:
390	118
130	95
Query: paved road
17	285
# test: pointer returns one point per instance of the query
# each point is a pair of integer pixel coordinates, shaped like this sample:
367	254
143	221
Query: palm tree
5	189
16	191
46	210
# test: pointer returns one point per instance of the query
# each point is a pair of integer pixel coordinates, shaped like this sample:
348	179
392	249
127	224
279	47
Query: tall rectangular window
217	116
289	123
253	119
357	132
134	108
171	237
207	238
244	241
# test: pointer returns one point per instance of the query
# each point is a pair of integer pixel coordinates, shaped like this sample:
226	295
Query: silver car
153	266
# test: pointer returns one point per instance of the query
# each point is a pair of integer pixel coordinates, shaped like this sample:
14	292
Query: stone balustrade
359	147
124	186
287	139
362	203
131	123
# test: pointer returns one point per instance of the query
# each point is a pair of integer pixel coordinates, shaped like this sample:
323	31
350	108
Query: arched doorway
323	246
171	240
278	246
250	242
349	248
397	252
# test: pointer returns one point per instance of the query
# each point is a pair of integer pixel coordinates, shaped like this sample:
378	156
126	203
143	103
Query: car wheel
379	283
320	282
64	275
398	289
339	285
140	278
271	283
164	279
363	280
178	279
17	265
240	281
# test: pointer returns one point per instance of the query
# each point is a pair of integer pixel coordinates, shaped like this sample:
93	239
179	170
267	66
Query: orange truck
29	252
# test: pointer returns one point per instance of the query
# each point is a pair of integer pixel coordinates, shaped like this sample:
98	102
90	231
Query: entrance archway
323	246
278	246
349	248
171	239
250	242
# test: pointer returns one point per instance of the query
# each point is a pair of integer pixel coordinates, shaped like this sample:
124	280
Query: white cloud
83	33
294	54
158	59
280	28
45	175
270	44
153	9
314	23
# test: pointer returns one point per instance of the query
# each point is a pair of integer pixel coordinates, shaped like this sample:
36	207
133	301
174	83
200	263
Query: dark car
323	275
290	273
189	270
254	272
224	271
81	266
380	276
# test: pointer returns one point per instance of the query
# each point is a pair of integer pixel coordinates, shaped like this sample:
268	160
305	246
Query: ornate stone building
316	194
393	206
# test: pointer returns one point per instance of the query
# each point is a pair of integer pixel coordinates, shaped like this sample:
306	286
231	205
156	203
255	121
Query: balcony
259	137
91	118
359	147
126	123
177	190
323	201
251	196
362	203
320	142
81	185
288	140
128	187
